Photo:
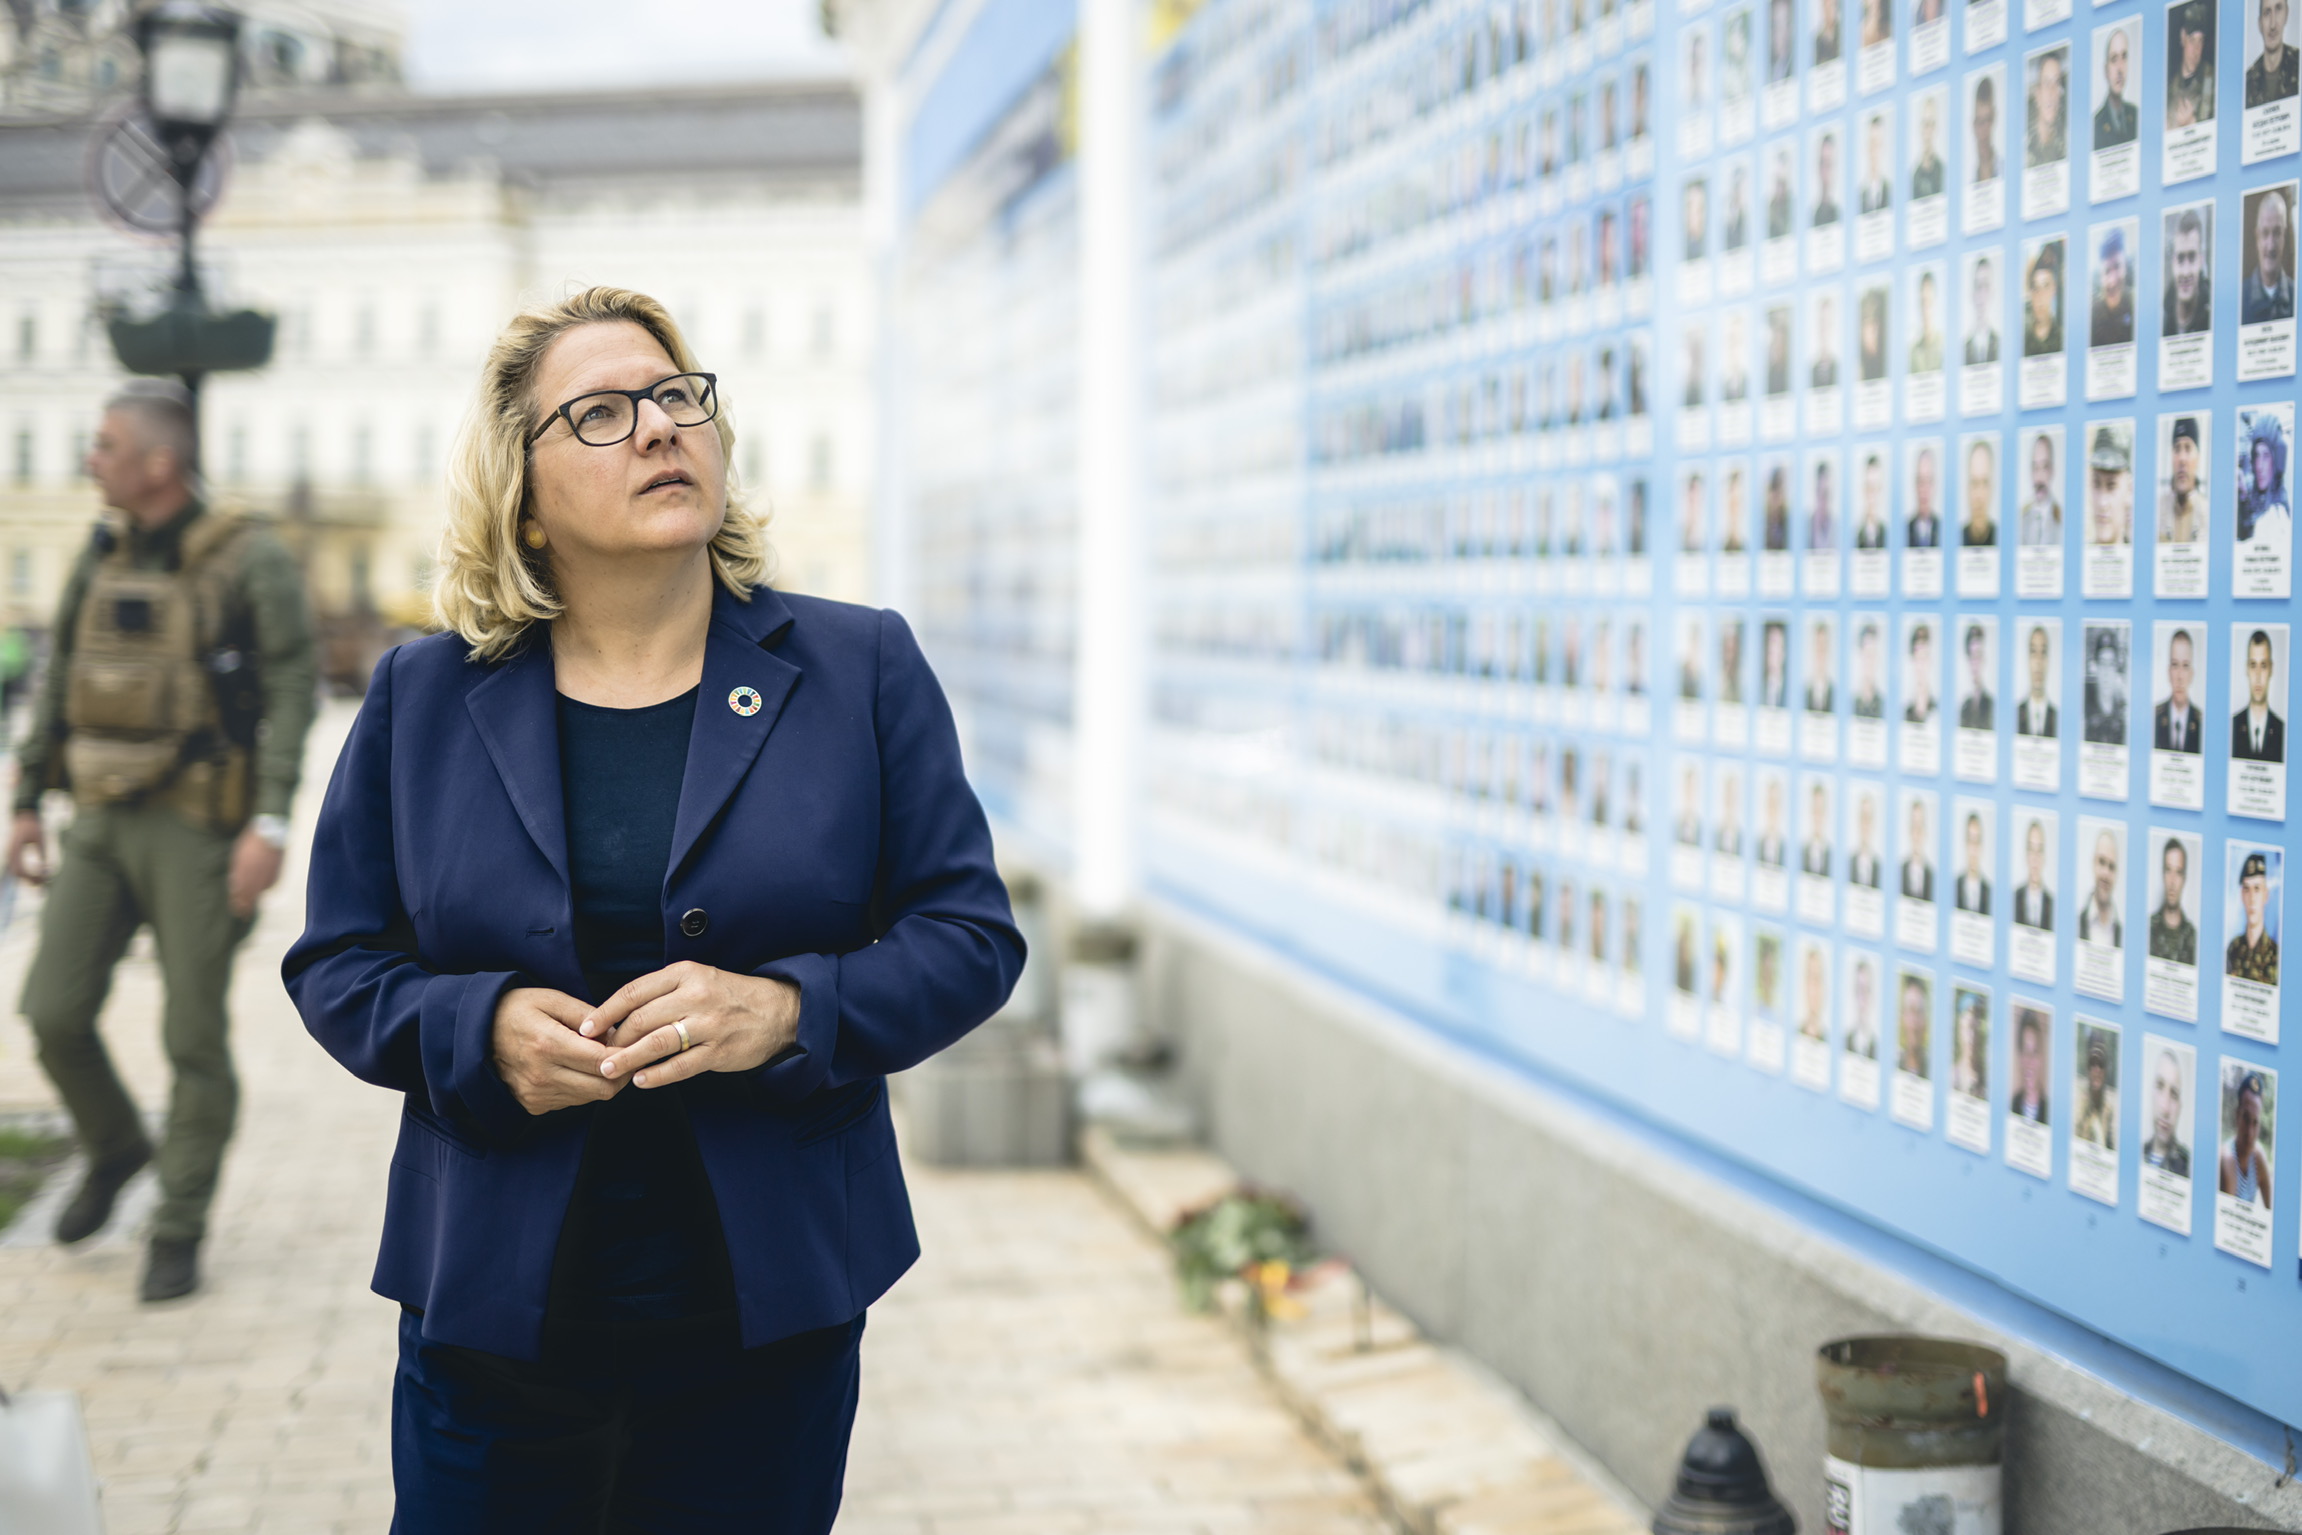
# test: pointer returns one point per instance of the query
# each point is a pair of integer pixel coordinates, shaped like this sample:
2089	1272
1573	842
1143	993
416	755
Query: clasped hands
555	1051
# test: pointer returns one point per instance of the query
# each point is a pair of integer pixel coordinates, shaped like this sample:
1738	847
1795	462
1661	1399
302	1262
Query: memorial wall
1736	557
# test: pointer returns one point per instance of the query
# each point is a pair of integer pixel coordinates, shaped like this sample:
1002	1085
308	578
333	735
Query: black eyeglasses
606	417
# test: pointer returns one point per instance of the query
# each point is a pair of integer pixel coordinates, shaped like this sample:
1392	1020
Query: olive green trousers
121	867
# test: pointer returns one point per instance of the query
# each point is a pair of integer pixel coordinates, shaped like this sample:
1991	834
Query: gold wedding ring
684	1041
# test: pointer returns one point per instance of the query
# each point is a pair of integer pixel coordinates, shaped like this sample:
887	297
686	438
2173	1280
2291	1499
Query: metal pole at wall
1108	698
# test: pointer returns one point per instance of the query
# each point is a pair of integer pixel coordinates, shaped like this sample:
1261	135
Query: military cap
2111	452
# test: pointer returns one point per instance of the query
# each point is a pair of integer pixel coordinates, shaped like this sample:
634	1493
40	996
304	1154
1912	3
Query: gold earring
534	536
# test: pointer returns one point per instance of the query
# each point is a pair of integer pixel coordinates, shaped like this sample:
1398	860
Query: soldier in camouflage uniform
2253	954
174	710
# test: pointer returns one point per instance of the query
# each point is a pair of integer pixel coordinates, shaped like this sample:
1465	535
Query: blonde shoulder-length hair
489	587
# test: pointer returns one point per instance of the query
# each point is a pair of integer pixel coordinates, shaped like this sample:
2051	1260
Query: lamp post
191	78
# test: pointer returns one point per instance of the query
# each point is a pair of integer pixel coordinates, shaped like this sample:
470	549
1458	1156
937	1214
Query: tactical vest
141	706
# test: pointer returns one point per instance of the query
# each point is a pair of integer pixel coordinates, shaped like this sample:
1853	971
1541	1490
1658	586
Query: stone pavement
1032	1375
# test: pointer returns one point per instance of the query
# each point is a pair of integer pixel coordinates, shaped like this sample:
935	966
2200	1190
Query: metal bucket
1916	1432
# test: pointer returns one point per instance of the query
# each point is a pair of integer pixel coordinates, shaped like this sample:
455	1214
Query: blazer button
694	921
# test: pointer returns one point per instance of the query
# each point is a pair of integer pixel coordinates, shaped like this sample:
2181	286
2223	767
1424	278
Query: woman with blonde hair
637	881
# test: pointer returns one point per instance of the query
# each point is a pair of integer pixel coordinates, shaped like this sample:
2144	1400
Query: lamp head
191	76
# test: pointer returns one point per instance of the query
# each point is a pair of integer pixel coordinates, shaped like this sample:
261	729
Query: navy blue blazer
829	839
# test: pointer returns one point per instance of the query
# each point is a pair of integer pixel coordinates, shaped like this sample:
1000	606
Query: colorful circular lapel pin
744	701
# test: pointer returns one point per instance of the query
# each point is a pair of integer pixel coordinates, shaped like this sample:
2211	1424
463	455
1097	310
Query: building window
78	468
754	332
27	336
25	459
428	329
752	464
819	462
423	455
19	573
822	333
364	331
300	451
360	445
236	453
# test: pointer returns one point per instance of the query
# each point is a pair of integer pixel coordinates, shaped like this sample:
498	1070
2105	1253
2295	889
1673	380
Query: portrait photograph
1781	191
2109	525
1980	337
2042	265
1873	306
1816	848
1977	673
2190	56
2169	1126
2246	1142
1862	974
1985	144
2110	370
2032	904
1826	190
2178	686
1927	344
1970	1114
2030	1096
1921	672
2038	704
1914	1046
2106	651
1810	1013
2117	118
1918	875
2266	288
2094	1127
2030	1091
1973	895
2258	694
1819	693
2115	165
2101	923
1866	847
1874	186
2186	297
1923	525
2264	500
2253	905
1970	1041
2046	116
2170	946
2184	502
1929	167
2273	123
2187	145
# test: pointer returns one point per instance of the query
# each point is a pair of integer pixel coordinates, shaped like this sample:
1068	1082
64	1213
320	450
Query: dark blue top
642	1244
826	837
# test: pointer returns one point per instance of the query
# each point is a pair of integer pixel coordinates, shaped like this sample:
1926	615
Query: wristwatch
272	828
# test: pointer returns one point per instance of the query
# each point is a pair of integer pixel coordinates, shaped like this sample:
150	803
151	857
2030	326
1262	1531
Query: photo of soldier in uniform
2272	73
2253	909
1982	337
2173	927
2046	107
2190	32
2117	120
2182	493
2042	299
2186	303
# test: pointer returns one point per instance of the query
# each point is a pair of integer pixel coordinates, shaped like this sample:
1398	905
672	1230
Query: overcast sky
461	45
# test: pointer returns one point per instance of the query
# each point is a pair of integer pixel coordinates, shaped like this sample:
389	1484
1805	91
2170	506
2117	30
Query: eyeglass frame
633	395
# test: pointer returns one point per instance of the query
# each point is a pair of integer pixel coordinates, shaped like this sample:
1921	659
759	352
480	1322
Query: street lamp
191	77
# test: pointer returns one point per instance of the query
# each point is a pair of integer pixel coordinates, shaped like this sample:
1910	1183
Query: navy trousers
680	1443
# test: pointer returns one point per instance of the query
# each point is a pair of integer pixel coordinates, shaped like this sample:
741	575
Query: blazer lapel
726	739
516	713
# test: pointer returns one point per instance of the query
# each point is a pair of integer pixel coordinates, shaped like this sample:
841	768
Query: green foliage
26	1160
1246	1227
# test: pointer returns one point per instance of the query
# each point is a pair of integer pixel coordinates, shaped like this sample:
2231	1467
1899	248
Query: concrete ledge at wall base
1445	1447
1624	1282
998	1098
